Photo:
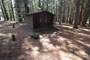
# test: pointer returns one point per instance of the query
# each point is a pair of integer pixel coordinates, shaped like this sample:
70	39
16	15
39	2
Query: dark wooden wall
42	19
36	18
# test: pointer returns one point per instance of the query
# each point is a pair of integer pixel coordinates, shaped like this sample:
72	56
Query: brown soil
59	43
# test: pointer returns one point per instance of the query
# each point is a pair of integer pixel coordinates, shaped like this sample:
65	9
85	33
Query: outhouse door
43	22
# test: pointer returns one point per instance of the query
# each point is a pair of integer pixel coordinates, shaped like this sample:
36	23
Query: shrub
20	20
13	38
13	26
35	36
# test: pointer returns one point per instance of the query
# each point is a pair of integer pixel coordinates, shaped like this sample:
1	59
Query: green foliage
20	20
35	36
19	7
13	38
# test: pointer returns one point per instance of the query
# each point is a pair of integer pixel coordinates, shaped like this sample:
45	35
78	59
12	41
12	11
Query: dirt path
61	43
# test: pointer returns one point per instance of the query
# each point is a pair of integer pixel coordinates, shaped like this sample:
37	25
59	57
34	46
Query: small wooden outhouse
39	19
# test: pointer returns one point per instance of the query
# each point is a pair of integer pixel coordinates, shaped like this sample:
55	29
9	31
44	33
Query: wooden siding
40	20
29	21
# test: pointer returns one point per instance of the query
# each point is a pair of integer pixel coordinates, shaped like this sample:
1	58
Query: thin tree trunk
12	10
4	10
56	12
60	12
47	5
86	14
68	14
77	14
81	11
42	6
10	17
39	3
32	6
63	19
89	22
26	6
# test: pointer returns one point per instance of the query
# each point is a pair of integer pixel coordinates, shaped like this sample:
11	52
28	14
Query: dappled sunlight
65	51
61	39
64	43
26	45
82	34
82	53
5	35
68	56
35	53
73	46
1	26
5	38
88	30
22	24
68	27
84	43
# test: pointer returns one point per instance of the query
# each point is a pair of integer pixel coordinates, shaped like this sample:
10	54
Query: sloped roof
39	12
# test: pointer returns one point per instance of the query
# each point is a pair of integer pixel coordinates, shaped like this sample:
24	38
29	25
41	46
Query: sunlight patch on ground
52	52
34	53
84	43
22	24
5	35
26	45
61	38
88	30
50	46
82	34
1	26
46	43
68	56
82	53
73	46
68	27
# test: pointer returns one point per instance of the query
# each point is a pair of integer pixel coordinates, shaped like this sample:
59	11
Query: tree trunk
26	6
70	20
81	11
39	3
47	5
77	14
86	14
42	7
10	17
68	14
12	11
4	10
64	18
56	12
60	12
89	22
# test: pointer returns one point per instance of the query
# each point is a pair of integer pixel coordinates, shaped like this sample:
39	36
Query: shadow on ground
59	43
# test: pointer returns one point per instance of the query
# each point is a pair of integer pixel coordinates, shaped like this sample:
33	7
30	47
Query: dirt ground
59	43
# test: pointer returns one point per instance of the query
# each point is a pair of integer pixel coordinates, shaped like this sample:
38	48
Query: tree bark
64	16
77	14
12	11
39	3
4	10
26	6
3	13
60	12
47	5
86	14
81	11
89	22
10	17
